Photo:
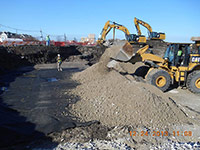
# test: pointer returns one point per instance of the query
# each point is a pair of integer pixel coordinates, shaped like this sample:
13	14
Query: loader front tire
193	82
159	78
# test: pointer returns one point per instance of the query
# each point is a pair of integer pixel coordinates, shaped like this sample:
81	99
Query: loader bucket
126	54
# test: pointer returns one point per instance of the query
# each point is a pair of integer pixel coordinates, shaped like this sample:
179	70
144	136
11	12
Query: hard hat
58	54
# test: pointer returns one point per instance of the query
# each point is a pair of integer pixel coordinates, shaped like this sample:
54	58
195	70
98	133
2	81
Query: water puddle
4	89
29	75
52	80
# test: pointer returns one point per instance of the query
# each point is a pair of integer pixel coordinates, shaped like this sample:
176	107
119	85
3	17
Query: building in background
90	39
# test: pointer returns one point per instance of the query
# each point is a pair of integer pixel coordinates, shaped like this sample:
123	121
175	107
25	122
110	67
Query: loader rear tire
193	82
159	78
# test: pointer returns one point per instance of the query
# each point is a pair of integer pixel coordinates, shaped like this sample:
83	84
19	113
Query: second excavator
131	38
152	35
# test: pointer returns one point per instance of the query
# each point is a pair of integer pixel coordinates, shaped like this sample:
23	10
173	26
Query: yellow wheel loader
179	65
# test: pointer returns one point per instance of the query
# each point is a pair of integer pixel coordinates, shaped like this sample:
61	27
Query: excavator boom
146	25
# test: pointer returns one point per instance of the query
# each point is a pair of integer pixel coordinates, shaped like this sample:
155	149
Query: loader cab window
169	54
186	56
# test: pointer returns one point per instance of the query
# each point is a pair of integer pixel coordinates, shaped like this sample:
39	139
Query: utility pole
65	38
113	33
41	35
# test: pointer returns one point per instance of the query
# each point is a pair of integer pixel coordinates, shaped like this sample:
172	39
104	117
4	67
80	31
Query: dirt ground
185	98
34	103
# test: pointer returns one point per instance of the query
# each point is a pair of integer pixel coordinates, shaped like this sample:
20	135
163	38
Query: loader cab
178	54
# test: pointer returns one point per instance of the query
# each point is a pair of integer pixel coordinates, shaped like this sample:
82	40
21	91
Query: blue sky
179	19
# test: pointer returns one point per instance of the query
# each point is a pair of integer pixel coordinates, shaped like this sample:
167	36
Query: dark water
34	103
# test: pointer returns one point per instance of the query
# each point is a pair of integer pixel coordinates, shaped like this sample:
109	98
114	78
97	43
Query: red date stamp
160	133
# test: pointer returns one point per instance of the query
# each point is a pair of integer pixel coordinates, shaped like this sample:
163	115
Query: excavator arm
146	25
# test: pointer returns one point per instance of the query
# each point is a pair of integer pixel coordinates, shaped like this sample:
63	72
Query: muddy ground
34	103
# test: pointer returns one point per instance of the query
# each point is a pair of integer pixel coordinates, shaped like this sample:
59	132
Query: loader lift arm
130	53
152	35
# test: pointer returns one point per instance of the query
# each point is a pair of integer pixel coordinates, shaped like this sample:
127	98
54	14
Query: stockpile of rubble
88	54
10	60
119	100
17	56
37	54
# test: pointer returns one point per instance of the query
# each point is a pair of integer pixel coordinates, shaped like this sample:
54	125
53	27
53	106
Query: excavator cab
157	36
133	38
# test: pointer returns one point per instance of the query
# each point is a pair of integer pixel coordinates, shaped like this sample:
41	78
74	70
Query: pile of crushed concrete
116	98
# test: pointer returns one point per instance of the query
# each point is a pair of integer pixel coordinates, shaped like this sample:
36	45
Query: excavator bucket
128	53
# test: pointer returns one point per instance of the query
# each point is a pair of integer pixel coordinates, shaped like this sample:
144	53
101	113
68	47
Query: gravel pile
120	145
118	100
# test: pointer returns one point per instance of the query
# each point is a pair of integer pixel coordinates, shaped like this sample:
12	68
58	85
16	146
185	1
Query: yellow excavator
131	38
152	35
161	72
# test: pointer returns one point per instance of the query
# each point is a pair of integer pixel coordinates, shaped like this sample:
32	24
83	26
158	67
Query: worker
47	40
179	56
59	62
